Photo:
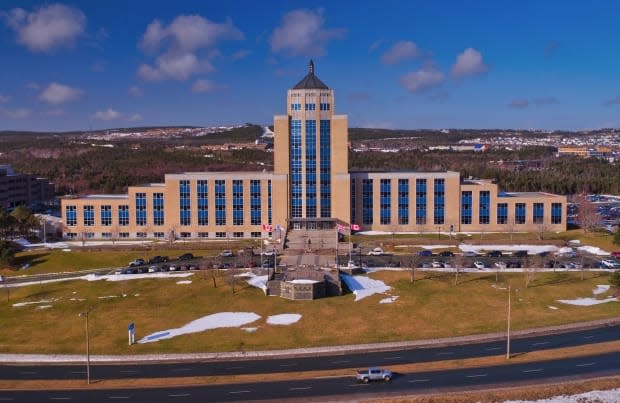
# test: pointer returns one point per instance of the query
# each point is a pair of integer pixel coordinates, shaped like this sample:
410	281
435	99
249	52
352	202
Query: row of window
159	235
324	106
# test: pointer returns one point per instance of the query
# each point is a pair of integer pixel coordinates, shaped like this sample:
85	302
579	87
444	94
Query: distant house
18	189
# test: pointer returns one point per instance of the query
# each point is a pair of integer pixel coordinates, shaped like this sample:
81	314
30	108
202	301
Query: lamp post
85	315
508	332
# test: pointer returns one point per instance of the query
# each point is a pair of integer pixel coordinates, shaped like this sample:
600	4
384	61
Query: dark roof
310	81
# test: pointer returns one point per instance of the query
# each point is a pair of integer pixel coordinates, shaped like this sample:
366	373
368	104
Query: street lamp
85	315
508	332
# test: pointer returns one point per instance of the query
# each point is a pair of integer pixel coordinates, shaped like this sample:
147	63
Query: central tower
311	149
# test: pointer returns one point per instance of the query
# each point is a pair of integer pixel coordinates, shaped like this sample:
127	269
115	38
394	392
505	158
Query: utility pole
85	314
508	333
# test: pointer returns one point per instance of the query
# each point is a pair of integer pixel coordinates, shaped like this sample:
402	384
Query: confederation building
310	188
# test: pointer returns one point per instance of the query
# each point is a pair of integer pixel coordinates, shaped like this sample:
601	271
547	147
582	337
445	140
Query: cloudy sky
394	64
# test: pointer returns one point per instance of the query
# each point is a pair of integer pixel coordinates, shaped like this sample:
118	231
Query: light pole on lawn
508	332
85	315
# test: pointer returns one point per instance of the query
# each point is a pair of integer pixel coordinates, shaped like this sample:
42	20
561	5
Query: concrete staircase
315	241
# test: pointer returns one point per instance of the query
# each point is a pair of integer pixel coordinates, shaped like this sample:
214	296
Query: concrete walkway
300	352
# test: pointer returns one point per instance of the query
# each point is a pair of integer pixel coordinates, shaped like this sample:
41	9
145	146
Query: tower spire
311	67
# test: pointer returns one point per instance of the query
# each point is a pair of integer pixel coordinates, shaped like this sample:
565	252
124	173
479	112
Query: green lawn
431	307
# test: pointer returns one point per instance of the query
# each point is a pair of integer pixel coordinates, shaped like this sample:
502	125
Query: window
237	234
158	235
220	235
385	190
71	215
502	213
325	166
439	201
123	235
158	209
185	207
269	200
255	234
310	107
311	191
538	213
367	201
89	235
420	201
466	207
89	215
296	107
484	205
140	208
520	213
295	168
255	202
140	234
237	193
353	201
403	201
220	202
202	192
203	235
106	216
556	213
71	235
106	235
186	234
324	106
123	215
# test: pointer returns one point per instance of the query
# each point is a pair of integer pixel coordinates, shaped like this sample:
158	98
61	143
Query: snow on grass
107	277
108	296
362	286
593	250
552	307
209	322
184	282
283	319
531	249
44	306
603	396
600	289
258	281
250	329
587	301
43	301
389	300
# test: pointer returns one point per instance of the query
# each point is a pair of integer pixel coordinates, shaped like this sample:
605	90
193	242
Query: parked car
136	262
158	259
376	252
143	269
426	265
227	253
616	253
131	270
500	265
515	264
174	267
425	253
374	374
519	253
479	265
549	264
186	256
268	252
470	253
194	267
446	253
494	253
153	269
447	265
609	264
436	264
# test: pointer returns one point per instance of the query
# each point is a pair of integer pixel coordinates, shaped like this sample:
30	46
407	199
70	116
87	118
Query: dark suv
158	259
494	253
446	253
186	256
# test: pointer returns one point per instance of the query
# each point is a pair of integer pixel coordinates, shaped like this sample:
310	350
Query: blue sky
393	64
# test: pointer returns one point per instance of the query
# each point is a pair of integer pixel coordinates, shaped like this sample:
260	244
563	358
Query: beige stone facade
310	188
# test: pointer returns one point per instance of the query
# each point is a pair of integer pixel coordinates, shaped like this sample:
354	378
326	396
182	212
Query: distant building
586	152
310	189
23	189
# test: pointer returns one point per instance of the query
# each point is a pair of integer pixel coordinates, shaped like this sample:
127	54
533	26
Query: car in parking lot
136	262
609	264
479	265
376	252
186	256
500	265
143	269
174	267
153	269
494	253
519	253
470	253
446	253
226	253
131	270
425	253
616	253
268	252
158	259
436	264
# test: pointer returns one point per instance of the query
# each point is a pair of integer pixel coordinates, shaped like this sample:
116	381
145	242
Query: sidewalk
300	352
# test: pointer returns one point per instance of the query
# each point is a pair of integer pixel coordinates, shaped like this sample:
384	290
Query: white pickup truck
374	374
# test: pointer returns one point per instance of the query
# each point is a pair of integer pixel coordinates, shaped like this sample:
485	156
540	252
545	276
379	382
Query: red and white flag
341	228
355	227
267	227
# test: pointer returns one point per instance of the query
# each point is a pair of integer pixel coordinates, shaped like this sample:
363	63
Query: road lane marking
235	367
340	362
359	384
179	395
119	397
587	364
78	372
588	337
129	371
446	353
418	380
27	372
240	391
476	376
532	370
328	377
180	369
6	399
397	357
304	388
60	398
493	348
541	343
288	365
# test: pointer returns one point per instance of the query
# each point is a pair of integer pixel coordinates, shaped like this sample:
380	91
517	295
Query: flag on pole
341	228
355	227
267	227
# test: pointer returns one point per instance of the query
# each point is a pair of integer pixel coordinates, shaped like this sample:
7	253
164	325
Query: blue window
158	209
310	107
420	201
311	192
439	201
326	181
466	207
295	107
71	214
403	201
106	216
353	201
484	205
202	193
556	213
367	201
237	191
539	213
502	213
89	216
123	215
324	106
295	168
185	203
385	216
220	202
255	202
140	208
520	213
269	200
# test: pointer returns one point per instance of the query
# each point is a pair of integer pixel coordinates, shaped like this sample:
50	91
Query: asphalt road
343	388
354	360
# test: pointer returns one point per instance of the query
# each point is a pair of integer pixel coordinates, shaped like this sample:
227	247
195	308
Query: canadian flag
355	227
267	227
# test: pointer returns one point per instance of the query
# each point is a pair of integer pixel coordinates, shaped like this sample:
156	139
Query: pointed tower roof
310	81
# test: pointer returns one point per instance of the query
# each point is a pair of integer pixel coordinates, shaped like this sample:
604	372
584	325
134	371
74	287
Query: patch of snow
214	321
600	289
184	282
250	329
43	301
283	319
603	396
44	306
303	281
389	300
531	249
258	282
108	296
552	307
362	286
77	299
593	250
587	301
497	287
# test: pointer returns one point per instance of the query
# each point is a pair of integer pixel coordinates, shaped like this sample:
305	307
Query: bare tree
413	261
459	262
587	214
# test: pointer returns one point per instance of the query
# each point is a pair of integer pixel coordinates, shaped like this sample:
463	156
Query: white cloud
55	112
203	86
375	45
422	79
136	117
180	43
469	63
108	114
20	113
400	51
56	93
46	28
135	91
240	54
302	33
4	99
519	103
